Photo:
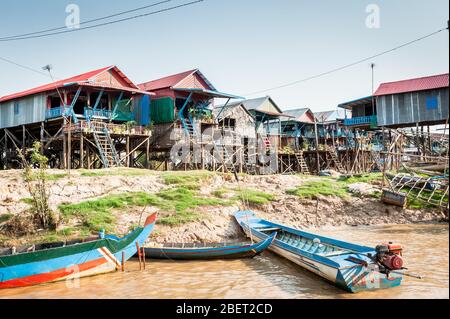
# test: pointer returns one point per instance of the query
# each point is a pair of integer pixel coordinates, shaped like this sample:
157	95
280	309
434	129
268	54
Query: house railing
372	120
99	113
54	112
113	129
89	112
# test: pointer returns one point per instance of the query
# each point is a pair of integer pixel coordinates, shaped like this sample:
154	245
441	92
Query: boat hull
352	279
71	262
227	252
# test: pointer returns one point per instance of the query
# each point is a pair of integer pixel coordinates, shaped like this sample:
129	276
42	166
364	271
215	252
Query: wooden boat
208	251
351	267
58	261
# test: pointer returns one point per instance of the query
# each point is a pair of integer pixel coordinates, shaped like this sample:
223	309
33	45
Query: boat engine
389	255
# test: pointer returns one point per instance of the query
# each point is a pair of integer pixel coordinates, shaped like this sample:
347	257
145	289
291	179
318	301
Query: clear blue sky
242	46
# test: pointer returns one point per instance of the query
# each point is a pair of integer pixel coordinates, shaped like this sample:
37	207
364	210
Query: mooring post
139	255
143	256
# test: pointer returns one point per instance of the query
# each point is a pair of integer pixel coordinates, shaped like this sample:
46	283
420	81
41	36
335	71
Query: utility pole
372	66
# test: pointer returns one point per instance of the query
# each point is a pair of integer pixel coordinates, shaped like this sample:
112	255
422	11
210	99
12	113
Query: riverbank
198	205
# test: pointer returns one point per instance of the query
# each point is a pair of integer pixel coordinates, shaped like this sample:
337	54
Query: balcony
54	113
363	120
89	112
99	113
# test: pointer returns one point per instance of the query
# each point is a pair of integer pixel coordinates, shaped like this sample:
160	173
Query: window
16	108
432	102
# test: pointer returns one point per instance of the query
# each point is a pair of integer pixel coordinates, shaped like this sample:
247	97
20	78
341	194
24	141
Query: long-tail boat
351	267
64	260
193	251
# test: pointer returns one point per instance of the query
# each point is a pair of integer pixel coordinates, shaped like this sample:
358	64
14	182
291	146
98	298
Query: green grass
365	178
191	179
414	203
253	196
97	214
178	203
311	189
330	186
181	203
54	177
376	195
5	217
220	193
116	172
27	200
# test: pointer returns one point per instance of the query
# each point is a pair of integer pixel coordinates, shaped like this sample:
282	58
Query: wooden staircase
105	145
337	162
226	159
189	128
302	163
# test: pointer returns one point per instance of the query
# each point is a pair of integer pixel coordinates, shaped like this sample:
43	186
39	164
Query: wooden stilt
143	256
23	140
138	249
64	151
81	151
69	146
128	150
147	157
317	145
42	137
88	155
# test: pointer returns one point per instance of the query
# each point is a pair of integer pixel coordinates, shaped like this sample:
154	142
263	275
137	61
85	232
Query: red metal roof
165	82
412	85
78	78
112	87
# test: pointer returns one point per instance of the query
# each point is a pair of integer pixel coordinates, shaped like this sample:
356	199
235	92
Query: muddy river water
426	252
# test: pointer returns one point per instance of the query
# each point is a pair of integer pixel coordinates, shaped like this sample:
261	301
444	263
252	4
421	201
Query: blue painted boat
351	267
67	260
208	251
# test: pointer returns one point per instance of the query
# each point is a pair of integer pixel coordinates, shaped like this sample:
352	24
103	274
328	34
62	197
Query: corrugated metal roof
172	80
297	113
412	85
110	86
52	86
209	93
255	104
361	101
330	116
323	116
217	110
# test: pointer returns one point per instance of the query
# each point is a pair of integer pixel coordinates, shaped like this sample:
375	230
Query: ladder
226	159
302	163
377	160
251	167
105	145
267	142
335	158
188	127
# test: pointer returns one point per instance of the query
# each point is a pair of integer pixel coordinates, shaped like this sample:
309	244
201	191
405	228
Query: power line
347	65
86	22
104	24
24	67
